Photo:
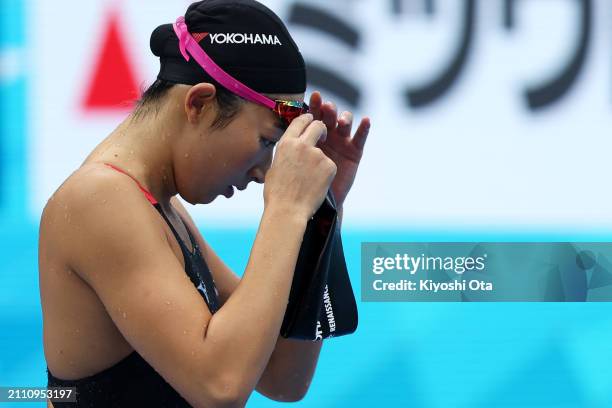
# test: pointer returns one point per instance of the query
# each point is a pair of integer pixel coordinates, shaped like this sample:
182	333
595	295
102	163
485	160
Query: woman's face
214	161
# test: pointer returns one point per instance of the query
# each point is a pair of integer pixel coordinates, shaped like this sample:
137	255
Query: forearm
290	369
244	332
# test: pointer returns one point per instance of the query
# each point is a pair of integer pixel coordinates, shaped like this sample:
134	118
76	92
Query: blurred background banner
485	114
491	122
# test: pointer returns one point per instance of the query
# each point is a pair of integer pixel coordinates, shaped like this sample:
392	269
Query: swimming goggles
286	110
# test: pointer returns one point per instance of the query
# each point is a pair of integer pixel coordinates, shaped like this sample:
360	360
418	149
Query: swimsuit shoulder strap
146	192
153	201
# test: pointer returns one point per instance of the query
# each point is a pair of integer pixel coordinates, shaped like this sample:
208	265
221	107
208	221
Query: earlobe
199	98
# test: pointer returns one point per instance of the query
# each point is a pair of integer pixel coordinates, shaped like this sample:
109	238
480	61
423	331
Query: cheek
250	156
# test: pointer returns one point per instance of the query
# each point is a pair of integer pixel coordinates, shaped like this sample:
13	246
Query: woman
138	310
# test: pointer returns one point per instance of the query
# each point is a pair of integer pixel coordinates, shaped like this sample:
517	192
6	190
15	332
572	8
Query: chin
209	200
193	200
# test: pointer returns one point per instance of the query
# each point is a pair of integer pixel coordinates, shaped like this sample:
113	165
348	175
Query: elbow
227	401
289	397
293	394
230	394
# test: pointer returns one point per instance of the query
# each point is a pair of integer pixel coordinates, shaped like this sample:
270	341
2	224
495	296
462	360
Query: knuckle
320	156
306	118
332	166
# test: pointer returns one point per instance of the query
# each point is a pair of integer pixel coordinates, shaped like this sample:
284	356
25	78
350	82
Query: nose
258	173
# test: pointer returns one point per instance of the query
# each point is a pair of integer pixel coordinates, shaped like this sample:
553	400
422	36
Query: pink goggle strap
188	43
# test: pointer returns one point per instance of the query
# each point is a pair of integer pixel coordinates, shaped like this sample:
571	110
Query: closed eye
267	142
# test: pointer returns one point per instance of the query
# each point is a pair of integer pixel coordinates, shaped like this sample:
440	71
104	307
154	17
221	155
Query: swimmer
138	310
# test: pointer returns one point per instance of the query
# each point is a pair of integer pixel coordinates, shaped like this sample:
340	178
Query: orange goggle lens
289	110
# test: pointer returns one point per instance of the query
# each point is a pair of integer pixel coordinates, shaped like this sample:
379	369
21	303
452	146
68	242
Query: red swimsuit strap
146	192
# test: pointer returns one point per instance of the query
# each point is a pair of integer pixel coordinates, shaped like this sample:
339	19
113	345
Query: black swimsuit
132	382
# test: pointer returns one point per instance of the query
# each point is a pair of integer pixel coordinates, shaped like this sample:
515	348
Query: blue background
403	354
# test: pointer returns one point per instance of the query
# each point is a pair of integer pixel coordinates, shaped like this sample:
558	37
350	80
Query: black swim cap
245	38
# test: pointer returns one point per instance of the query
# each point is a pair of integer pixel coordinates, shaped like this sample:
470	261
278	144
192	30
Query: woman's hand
344	150
300	174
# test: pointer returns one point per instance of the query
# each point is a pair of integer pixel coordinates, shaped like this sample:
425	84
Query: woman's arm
119	248
289	372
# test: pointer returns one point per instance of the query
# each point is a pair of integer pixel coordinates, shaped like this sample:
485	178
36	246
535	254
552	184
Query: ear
198	99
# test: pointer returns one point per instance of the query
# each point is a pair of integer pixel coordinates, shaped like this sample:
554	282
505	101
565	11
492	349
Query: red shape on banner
113	85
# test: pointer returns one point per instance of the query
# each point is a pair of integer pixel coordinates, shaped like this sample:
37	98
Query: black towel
321	301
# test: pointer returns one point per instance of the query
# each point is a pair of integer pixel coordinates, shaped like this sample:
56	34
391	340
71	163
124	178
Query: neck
142	147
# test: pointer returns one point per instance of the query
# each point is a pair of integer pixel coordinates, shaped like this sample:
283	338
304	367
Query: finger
361	135
298	125
345	123
329	115
315	105
314	132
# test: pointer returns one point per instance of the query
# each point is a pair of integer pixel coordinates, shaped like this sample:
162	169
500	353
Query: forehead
262	118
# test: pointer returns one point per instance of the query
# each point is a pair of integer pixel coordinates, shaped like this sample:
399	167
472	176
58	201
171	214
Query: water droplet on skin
131	152
77	331
192	353
124	315
69	271
168	303
185	331
103	201
186	155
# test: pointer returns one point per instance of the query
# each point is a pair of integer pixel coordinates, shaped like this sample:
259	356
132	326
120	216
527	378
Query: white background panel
476	158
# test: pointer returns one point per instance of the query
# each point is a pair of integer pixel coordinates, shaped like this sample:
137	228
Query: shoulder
95	188
96	206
